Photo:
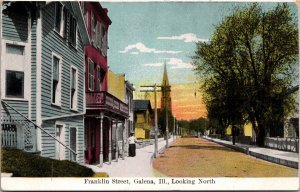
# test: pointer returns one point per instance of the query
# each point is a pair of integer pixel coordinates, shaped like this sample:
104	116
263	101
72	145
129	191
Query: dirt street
193	157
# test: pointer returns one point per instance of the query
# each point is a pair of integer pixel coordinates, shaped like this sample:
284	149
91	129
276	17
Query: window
14	73
94	29
58	17
91	75
104	42
73	143
99	81
73	30
99	35
14	84
65	22
14	49
56	80
92	25
73	88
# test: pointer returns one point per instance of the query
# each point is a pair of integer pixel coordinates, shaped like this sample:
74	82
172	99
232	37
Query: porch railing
20	132
104	100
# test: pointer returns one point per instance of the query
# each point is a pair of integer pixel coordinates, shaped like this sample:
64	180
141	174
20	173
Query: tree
195	125
162	121
248	64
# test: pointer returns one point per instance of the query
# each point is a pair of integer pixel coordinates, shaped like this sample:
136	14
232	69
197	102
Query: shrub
23	164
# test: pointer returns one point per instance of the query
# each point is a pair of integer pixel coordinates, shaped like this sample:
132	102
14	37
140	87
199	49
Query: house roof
142	105
82	27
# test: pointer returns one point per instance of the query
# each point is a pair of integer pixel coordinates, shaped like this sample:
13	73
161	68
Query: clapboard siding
20	106
15	26
33	68
49	144
52	42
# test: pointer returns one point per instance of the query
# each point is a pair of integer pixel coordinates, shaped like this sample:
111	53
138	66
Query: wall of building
49	144
142	125
247	130
53	43
116	85
15	27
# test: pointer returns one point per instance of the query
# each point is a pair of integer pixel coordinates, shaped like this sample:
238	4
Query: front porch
17	131
105	131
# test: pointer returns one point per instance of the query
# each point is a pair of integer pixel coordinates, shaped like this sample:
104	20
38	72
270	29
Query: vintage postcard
143	95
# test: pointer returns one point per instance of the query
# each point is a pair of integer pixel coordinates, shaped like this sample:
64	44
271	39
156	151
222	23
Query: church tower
166	91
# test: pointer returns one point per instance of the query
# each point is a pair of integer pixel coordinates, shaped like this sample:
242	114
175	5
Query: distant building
129	101
142	118
122	90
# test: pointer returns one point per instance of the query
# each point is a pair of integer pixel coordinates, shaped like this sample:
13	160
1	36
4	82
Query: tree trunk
260	135
233	135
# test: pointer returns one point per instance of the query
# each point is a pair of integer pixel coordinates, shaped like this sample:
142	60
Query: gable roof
80	20
142	105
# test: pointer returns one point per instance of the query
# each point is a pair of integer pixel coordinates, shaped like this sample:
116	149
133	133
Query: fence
285	144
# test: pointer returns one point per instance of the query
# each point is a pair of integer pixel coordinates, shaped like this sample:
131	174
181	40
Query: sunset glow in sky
144	35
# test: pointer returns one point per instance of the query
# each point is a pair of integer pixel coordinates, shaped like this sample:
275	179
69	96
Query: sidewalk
138	166
285	158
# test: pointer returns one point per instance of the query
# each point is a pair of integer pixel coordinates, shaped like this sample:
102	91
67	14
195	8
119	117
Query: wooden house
42	78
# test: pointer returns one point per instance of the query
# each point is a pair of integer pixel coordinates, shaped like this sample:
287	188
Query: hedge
23	164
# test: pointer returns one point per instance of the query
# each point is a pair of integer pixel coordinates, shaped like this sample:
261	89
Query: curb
6	174
246	150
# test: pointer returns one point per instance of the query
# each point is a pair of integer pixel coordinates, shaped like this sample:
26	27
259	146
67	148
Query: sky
144	35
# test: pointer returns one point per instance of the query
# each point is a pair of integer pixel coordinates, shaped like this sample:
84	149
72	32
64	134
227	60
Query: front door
59	148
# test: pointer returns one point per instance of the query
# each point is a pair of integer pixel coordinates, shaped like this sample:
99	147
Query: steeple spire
165	80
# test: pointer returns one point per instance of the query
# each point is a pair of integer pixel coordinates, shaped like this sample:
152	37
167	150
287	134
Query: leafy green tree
194	126
248	64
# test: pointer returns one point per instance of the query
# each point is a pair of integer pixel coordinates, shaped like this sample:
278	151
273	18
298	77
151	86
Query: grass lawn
193	157
23	164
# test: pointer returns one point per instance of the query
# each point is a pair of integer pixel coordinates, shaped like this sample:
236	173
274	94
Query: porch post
116	143
123	144
109	141
101	140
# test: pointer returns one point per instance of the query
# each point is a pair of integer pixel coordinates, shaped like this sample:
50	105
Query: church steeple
165	80
166	100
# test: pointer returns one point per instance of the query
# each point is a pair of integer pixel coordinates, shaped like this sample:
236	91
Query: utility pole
174	127
166	107
155	116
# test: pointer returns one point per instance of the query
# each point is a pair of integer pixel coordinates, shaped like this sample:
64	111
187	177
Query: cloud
177	63
153	64
141	48
187	37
